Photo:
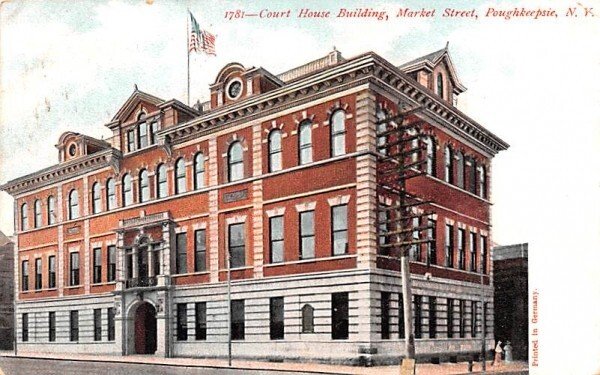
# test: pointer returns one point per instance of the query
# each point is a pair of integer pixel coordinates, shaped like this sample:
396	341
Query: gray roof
432	57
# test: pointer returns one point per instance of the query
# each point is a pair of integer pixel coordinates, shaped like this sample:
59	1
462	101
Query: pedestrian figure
498	356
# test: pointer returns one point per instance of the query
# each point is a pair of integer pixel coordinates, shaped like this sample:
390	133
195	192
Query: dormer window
72	150
440	85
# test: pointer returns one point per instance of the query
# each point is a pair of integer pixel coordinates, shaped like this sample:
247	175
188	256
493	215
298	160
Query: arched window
127	193
144	186
381	128
199	170
96	198
180	176
37	213
308	319
275	154
482	181
73	205
460	169
24	218
472	173
338	133
430	155
440	85
111	197
305	142
161	181
235	162
51	210
142	131
449	171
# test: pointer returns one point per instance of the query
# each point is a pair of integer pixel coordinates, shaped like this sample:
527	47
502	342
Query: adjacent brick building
7	288
511	297
122	246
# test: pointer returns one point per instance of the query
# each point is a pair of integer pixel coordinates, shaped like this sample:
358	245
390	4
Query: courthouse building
122	247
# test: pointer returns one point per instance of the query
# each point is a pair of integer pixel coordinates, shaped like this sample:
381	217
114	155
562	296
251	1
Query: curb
137	362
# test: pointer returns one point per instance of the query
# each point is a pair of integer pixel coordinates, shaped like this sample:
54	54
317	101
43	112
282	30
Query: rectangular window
156	259
385	315
276	321
449	245
200	308
418	308
200	250
432	317
110	312
74	267
237	245
52	326
153	130
25	275
339	316
182	334
415	249
52	271
450	317
483	254
383	227
276	238
130	140
307	235
97	324
143	129
25	327
74	325
473	252
97	265
401	330
129	262
339	229
463	317
432	244
38	273
461	248
473	318
181	253
112	263
237	319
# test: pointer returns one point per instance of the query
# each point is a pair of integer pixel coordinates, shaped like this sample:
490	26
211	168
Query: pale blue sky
535	83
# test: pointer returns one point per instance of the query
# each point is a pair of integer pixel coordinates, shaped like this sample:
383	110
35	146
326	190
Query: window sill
73	287
189	274
311	260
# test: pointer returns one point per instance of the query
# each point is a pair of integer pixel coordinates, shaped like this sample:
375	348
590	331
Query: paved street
41	364
26	366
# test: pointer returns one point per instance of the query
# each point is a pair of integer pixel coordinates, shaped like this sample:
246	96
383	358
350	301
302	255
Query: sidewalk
314	368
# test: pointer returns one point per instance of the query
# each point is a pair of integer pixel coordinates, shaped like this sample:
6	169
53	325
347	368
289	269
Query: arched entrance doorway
145	329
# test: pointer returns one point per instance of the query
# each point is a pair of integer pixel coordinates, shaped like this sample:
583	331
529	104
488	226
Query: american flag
201	40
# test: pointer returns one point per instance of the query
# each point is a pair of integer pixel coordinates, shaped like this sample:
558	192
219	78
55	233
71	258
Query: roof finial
334	48
135	88
447	42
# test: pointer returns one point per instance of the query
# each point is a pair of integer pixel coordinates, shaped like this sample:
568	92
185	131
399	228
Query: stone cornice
368	67
60	172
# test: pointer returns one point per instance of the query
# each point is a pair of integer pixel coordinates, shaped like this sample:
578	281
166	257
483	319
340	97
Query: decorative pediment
133	104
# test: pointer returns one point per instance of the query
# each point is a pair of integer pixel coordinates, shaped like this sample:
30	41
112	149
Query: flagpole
187	31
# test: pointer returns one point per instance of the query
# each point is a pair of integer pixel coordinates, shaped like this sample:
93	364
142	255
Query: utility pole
399	159
482	297
229	307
